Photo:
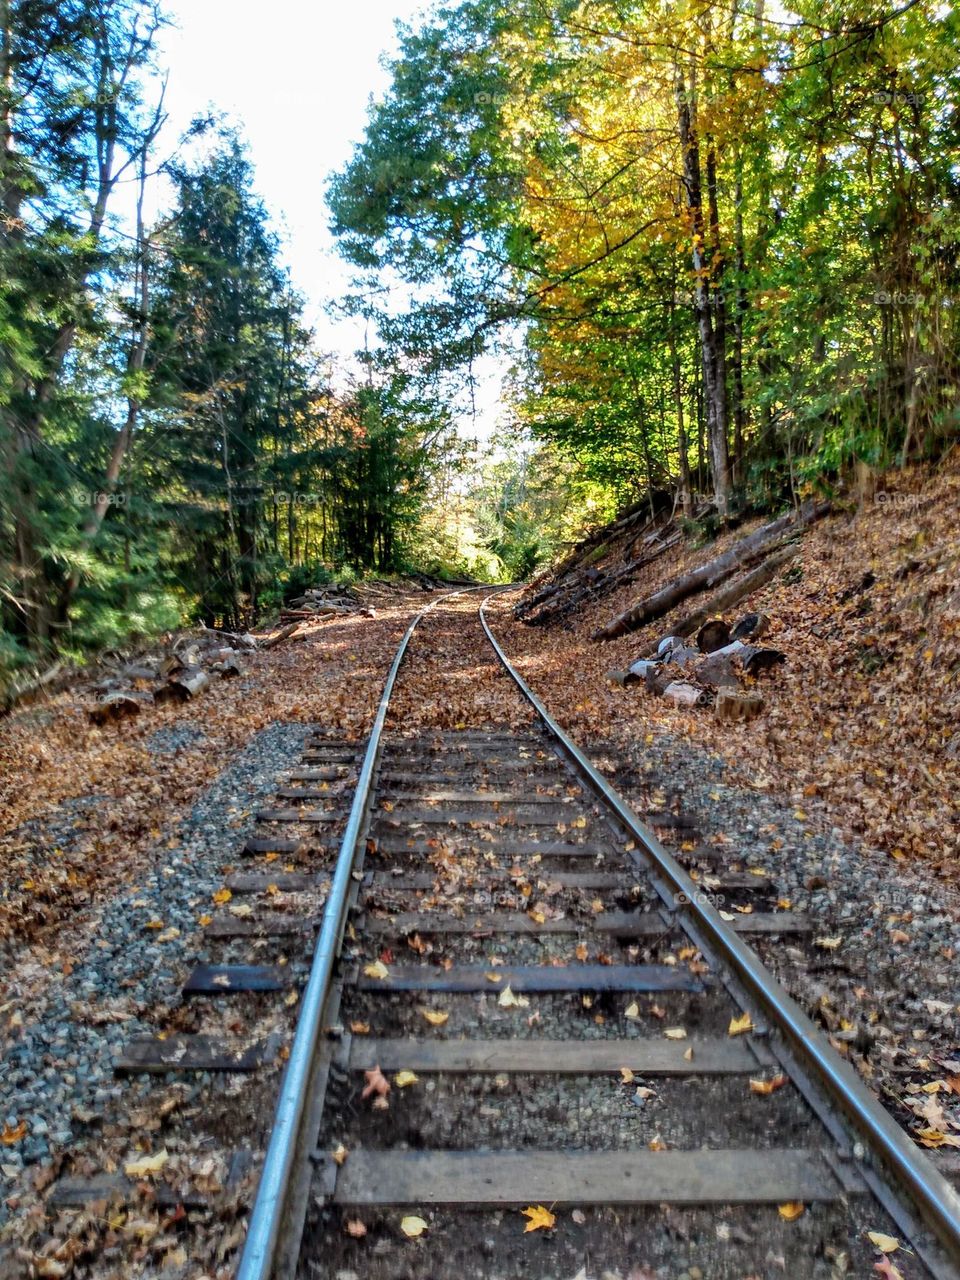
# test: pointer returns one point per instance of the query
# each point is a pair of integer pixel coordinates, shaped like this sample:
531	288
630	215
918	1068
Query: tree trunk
711	337
742	554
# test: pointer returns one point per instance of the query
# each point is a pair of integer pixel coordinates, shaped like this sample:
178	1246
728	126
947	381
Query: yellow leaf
934	1138
507	1000
413	1226
537	917
376	970
688	1056
581	953
886	1244
339	1154
740	1025
13	1134
579	822
493	977
768	1086
404	1078
204	920
540	1218
147	1165
632	1010
799	815
626	1075
222	895
675	1033
790	1211
154	924
360	1028
291	999
657	1144
435	1017
829	944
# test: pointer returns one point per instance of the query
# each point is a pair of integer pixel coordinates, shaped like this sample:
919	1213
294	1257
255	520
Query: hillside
863	714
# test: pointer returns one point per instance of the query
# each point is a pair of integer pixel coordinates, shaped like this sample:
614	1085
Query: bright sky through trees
296	77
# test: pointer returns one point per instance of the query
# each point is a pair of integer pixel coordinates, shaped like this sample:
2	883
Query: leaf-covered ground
865	714
119	790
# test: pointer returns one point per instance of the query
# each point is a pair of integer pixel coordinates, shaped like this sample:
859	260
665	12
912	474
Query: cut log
686	695
622	678
743	554
735	705
751	627
756	661
117	706
713	635
185	684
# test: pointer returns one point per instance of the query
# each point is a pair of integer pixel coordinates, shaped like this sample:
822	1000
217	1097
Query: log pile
183	671
752	553
714	671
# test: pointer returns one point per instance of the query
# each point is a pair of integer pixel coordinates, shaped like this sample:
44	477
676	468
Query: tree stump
734	705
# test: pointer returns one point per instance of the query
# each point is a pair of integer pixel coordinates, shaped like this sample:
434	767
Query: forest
716	248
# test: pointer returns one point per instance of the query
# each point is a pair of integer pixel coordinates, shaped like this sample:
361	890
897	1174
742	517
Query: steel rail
935	1200
263	1231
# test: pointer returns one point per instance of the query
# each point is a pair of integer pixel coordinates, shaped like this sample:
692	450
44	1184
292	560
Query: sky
296	76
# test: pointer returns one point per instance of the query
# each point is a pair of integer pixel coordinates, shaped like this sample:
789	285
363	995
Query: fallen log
283	634
756	546
593	588
733	593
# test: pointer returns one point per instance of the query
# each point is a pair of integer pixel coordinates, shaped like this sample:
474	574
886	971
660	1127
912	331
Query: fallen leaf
413	1226
221	896
147	1165
339	1154
829	944
354	1227
887	1270
768	1086
13	1134
886	1244
540	1218
626	1075
790	1211
404	1078
377	1083
376	970
507	1000
360	1028
632	1010
675	1033
435	1017
738	1026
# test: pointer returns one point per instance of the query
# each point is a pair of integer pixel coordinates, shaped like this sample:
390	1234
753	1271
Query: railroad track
521	1008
